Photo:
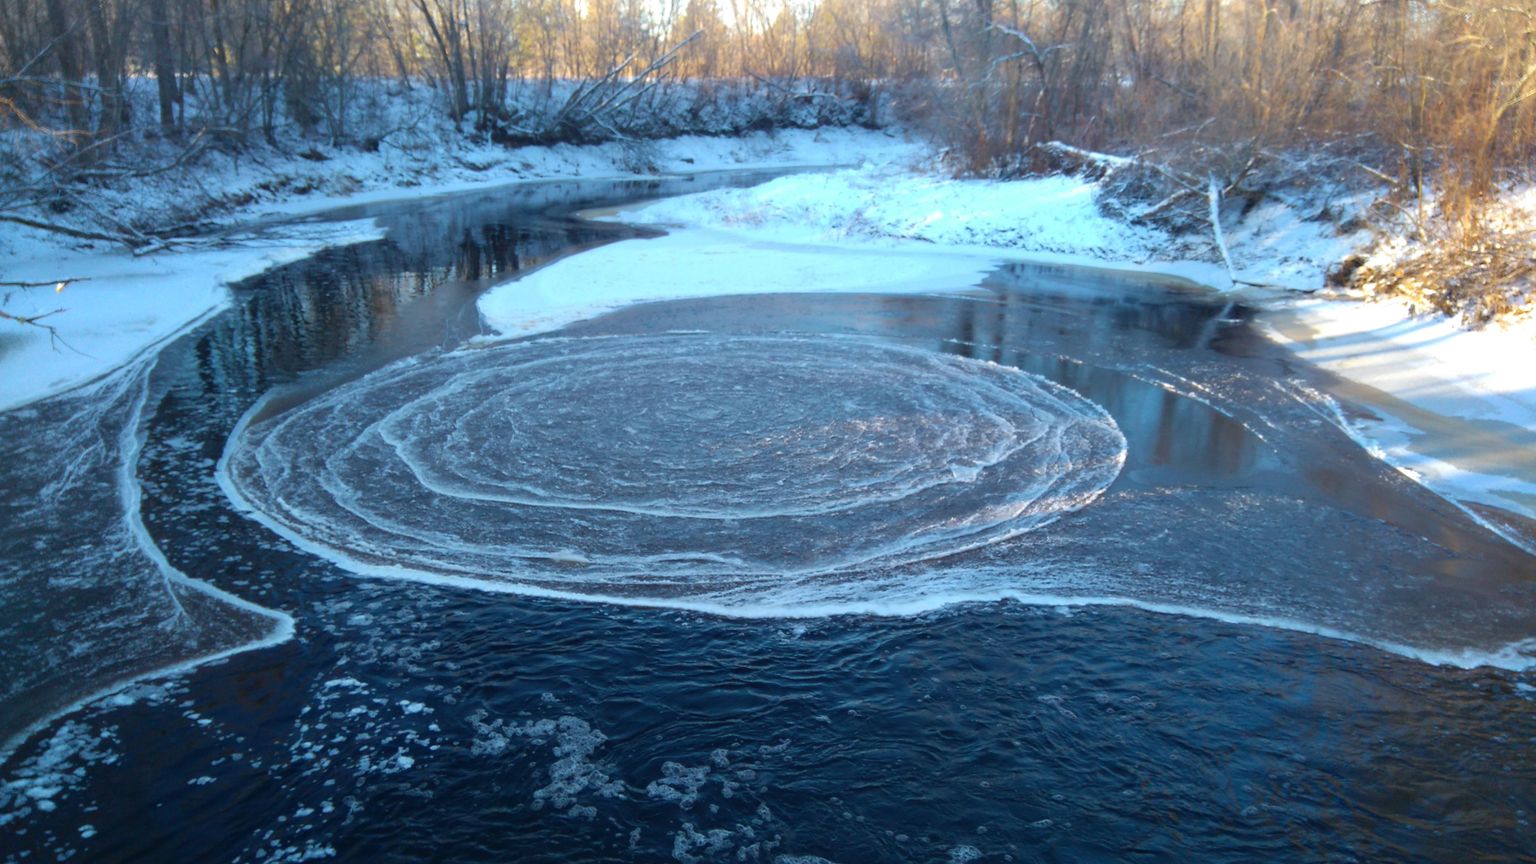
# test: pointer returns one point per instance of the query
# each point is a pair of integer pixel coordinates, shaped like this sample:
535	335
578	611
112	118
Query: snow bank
1042	217
322	178
883	227
1047	214
709	263
1450	407
1453	408
878	228
125	305
1276	245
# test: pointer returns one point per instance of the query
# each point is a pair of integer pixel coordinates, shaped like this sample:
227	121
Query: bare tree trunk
108	46
448	38
63	33
165	65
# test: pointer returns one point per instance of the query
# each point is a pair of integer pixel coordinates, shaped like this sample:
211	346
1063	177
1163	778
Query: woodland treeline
1423	91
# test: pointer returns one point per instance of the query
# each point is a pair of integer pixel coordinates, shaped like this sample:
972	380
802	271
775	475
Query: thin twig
56	284
54	339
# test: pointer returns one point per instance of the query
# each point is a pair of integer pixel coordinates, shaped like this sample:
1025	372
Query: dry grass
1481	272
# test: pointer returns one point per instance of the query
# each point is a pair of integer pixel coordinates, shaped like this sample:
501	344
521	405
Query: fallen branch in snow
1189	184
1060	157
61	229
589	103
84	166
194	149
1189	130
1272	286
1385	178
1185	187
1105	160
58	284
1187	194
793	94
1213	195
1160	207
151	247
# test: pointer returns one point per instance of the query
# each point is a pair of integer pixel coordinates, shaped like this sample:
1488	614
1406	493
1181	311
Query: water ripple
693	468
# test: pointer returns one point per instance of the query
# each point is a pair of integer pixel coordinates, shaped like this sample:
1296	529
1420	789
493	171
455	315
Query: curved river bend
1202	625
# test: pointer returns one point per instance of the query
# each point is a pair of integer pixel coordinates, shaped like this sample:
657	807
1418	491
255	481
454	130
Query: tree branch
63	229
57	284
54	339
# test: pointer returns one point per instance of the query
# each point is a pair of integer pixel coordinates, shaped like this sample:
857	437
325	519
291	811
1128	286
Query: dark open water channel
409	722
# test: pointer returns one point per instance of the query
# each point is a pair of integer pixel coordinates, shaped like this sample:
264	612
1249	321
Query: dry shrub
1482	274
1436	99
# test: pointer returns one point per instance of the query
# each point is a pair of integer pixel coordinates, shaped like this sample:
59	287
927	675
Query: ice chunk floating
685	469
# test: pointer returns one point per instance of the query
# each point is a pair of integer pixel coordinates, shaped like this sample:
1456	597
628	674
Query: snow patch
1454	409
1055	214
123	306
710	263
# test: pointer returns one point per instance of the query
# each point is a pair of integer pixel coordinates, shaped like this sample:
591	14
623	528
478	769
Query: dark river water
1239	638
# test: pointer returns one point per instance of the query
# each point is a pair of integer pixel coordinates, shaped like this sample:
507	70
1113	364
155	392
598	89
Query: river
1214	630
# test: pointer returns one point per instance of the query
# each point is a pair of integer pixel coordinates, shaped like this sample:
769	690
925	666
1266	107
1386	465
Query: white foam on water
132	495
820	554
133	548
678	468
1515	656
941	594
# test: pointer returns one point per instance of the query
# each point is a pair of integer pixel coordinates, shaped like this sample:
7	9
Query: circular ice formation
680	468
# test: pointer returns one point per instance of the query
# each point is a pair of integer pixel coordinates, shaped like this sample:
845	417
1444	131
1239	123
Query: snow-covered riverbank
890	226
122	304
1452	408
